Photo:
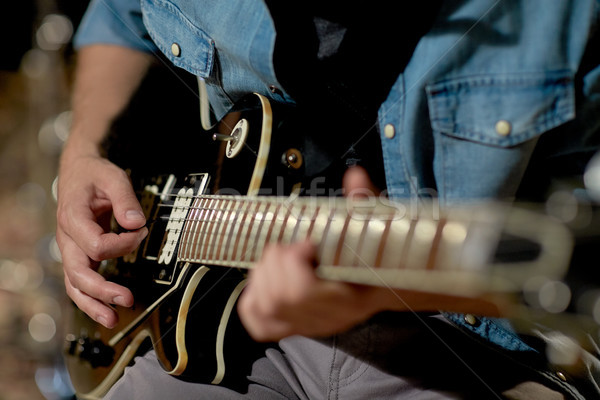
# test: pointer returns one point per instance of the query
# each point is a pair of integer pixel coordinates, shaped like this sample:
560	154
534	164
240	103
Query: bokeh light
42	327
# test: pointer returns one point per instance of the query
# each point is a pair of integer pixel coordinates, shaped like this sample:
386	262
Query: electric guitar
188	273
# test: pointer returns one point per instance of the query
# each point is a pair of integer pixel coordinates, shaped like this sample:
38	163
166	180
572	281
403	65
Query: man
462	105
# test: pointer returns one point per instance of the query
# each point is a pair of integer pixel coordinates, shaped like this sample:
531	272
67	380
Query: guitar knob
292	158
236	140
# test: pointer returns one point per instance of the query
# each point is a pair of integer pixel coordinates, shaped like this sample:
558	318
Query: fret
320	224
382	239
331	237
281	227
396	244
305	223
421	244
249	254
189	228
238	229
351	240
313	222
272	225
220	235
451	246
215	216
262	234
369	242
435	244
275	230
237	206
198	238
339	248
361	256
290	224
247	228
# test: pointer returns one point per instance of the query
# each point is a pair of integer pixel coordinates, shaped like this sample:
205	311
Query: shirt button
175	50
503	127
471	320
389	131
561	376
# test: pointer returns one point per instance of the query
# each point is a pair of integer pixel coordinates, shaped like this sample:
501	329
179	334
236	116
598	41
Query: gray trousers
373	361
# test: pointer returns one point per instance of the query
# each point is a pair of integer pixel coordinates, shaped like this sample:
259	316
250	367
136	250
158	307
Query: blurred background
36	66
36	72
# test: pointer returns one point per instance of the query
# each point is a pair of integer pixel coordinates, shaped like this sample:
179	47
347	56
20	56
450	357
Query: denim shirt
482	87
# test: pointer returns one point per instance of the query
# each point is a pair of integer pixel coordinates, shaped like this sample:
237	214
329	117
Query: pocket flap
186	45
501	110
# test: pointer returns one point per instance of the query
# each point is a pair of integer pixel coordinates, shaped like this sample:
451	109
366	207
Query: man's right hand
90	188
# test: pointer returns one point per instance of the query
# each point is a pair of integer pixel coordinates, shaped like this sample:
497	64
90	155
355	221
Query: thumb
126	207
357	183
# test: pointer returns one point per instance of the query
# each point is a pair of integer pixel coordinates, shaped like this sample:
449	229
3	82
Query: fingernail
102	320
119	300
134	215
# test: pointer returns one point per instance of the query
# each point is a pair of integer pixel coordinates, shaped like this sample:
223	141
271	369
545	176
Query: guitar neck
234	230
373	241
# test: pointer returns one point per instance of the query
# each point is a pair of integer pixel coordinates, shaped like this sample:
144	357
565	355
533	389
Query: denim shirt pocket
485	126
185	45
502	110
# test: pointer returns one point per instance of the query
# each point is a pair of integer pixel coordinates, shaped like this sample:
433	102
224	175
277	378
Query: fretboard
363	241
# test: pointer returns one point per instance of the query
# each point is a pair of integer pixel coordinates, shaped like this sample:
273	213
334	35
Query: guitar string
234	228
241	197
217	195
231	225
381	214
223	228
219	228
229	221
201	250
387	211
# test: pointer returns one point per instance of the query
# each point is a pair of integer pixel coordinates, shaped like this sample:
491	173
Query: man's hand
285	297
90	189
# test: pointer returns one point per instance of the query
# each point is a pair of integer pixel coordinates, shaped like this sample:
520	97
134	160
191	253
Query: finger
126	207
296	273
281	281
81	226
259	328
260	323
358	184
79	272
95	309
304	250
256	306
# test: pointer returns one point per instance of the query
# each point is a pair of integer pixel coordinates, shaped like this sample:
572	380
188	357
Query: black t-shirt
338	60
356	48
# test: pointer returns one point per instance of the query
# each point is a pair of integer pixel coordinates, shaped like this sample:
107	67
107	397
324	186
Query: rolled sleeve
117	22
